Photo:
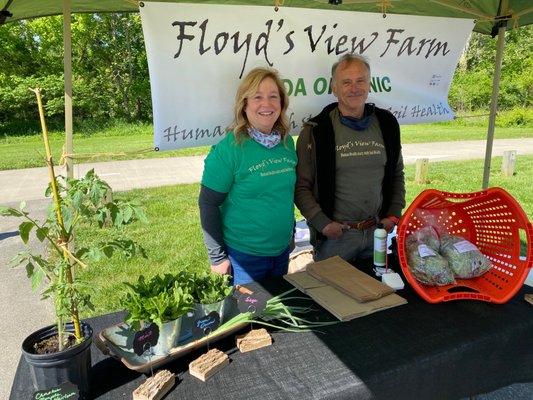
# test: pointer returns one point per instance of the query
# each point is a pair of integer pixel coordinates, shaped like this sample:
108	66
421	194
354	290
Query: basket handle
471	195
461	289
467	296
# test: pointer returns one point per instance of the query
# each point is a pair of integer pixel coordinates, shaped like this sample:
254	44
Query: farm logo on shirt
269	162
360	148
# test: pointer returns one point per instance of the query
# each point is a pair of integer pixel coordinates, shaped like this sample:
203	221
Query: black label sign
254	302
206	325
66	390
145	338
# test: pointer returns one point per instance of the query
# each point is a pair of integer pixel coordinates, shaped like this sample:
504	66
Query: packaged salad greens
427	235
425	263
463	257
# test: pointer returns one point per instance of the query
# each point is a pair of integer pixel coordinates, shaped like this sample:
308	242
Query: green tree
472	85
110	73
111	61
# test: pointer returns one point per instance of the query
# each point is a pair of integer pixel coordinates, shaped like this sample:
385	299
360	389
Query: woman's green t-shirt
258	213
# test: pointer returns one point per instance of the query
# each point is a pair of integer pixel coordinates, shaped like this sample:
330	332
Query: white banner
197	55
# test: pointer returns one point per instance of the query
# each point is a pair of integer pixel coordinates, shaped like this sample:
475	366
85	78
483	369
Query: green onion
287	316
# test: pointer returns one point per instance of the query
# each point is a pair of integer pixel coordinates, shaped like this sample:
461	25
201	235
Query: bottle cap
380	225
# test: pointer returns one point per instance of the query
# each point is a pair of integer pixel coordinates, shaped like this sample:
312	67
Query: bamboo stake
67	68
59	215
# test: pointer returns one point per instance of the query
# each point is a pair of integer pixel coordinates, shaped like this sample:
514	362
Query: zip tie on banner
63	159
384	5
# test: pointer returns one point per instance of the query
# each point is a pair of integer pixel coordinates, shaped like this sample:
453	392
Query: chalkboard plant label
205	325
75	201
65	391
145	338
254	302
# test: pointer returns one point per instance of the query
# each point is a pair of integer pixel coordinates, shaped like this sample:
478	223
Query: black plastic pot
70	365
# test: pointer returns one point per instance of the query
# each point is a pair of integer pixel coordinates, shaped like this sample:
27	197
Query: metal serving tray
116	341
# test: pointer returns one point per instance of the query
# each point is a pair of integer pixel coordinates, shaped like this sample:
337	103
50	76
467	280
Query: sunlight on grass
126	141
173	238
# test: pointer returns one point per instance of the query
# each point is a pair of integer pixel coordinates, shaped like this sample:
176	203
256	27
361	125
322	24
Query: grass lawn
125	143
121	141
439	132
173	238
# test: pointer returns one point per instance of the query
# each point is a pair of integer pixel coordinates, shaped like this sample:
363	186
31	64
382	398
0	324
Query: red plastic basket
493	220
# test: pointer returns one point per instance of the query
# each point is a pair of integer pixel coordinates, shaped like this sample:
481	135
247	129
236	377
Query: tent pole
67	68
494	104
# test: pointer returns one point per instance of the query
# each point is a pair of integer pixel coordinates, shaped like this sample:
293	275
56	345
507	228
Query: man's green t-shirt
258	213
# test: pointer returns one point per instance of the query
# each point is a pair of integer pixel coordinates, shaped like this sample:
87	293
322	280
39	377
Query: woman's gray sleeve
209	202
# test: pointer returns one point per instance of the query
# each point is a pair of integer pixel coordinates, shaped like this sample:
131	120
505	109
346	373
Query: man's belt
361	225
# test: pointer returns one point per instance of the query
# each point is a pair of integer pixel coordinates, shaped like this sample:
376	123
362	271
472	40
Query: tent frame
494	105
67	67
504	5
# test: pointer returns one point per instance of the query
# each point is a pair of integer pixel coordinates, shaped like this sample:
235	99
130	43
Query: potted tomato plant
61	352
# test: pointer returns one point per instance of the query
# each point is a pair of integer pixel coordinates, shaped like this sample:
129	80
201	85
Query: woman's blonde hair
248	87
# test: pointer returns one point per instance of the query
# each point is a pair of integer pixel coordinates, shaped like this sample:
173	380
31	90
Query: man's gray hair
350	58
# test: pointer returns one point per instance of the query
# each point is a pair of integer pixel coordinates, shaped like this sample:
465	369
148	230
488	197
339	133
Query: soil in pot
49	370
51	345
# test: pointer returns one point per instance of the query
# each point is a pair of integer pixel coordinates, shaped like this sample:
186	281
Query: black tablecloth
414	351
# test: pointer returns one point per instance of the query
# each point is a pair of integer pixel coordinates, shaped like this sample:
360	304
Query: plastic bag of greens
464	257
425	263
427	235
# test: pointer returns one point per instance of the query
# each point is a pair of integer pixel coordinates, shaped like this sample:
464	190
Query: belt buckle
359	225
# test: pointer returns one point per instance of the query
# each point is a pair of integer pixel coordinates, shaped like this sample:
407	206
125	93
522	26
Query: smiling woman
247	193
260	91
264	107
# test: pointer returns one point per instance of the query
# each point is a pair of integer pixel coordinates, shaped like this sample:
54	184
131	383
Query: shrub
515	117
470	91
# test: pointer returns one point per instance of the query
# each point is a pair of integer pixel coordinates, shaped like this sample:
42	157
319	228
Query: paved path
21	312
30	184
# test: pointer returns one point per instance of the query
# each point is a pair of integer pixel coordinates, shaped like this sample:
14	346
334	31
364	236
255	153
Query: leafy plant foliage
160	299
166	297
108	59
83	203
211	288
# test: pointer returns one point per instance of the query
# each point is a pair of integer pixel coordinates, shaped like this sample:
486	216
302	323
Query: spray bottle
380	246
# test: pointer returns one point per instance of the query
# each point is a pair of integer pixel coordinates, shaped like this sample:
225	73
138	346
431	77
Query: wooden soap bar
208	364
255	339
155	387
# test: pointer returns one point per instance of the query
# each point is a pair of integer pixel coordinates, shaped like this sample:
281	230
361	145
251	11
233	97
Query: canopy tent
486	12
492	17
